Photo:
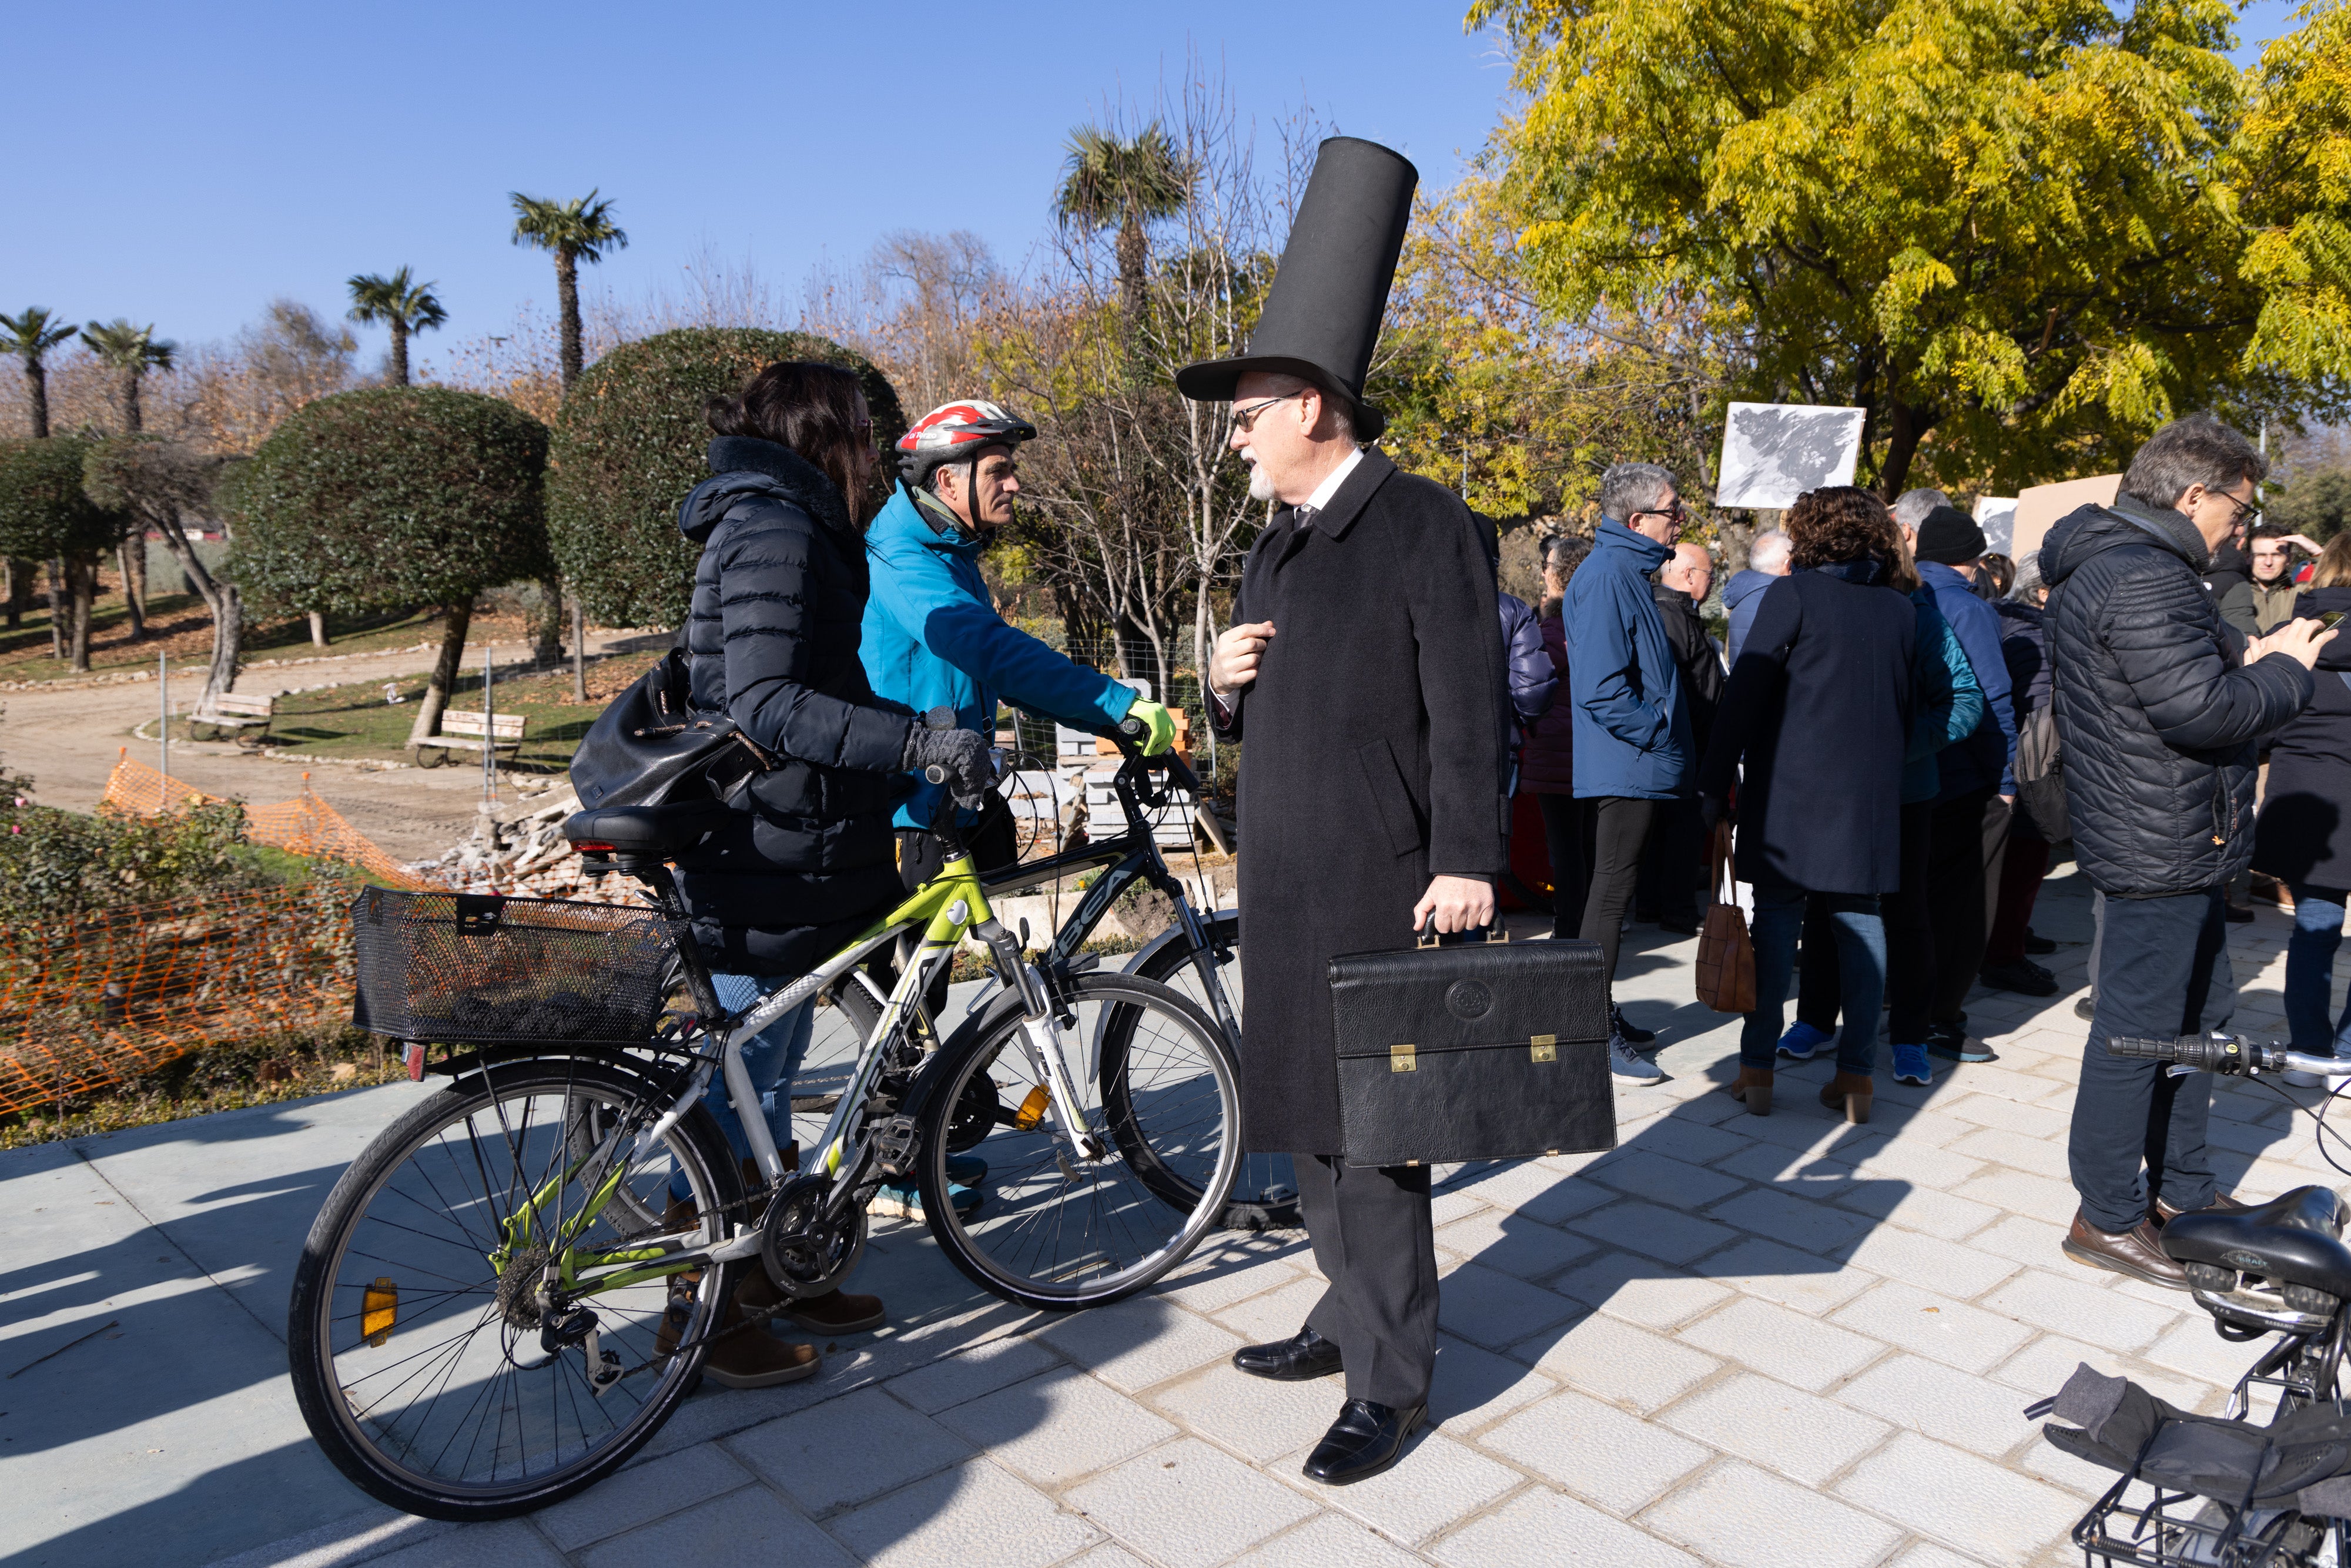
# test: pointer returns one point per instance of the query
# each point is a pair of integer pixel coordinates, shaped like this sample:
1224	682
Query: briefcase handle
1494	931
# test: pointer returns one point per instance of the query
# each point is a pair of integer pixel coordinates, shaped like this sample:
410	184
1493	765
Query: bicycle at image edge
2198	1491
513	1287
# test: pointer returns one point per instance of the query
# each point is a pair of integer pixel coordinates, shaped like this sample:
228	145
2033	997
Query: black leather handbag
1489	1051
648	749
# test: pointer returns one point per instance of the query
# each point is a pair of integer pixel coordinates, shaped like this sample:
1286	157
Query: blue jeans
2138	1131
1861	971
2310	972
772	1058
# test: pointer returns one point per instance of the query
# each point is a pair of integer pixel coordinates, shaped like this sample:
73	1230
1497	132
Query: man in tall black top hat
1365	666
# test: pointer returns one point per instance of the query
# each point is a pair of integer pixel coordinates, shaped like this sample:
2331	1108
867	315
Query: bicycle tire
1265	1192
358	1440
989	1245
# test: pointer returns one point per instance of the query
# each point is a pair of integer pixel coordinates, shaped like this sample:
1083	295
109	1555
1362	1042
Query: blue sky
198	161
240	151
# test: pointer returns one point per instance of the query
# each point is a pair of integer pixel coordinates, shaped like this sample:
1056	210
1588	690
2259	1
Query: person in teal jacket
932	637
1950	704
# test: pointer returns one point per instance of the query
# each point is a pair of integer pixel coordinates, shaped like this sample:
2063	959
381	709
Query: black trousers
2163	971
1620	828
1909	947
1668	888
1375	1242
1567	833
1963	860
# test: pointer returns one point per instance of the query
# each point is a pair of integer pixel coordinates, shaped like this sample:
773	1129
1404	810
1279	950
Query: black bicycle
2198	1491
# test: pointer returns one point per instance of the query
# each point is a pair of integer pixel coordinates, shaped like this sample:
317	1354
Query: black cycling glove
964	755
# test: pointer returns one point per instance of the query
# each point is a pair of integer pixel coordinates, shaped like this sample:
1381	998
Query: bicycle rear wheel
431	1362
1057	1229
1265	1192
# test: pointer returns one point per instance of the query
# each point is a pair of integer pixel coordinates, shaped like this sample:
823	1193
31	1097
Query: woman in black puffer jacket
772	639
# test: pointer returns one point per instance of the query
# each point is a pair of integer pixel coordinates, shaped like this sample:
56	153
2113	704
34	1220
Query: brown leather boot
2164	1214
2136	1252
1850	1092
1752	1088
745	1356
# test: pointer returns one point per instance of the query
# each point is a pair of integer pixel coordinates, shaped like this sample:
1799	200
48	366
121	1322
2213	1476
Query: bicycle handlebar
2228	1053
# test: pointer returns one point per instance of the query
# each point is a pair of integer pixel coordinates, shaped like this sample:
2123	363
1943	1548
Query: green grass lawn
179	624
355	722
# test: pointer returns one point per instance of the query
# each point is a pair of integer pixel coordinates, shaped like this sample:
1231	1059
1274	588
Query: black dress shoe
1305	1354
1628	1029
1365	1439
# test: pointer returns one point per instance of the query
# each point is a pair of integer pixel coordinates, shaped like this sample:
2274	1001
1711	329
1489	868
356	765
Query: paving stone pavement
1733	1340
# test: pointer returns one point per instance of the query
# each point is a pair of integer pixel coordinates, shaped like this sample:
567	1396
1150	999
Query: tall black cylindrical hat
1322	316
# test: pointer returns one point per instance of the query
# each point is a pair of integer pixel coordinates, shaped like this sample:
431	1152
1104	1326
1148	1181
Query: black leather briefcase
1486	1051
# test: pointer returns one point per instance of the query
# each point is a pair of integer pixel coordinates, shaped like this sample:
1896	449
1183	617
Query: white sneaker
2301	1080
1628	1068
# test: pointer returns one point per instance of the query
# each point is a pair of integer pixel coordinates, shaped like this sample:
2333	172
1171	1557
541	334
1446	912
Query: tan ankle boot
1752	1088
745	1356
1852	1093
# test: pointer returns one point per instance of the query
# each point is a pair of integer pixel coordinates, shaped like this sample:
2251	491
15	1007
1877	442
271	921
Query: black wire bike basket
484	969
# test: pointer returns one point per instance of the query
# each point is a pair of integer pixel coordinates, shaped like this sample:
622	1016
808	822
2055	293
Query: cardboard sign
1774	451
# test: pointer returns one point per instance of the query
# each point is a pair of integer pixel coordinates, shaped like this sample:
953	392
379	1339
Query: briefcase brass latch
1544	1047
1402	1059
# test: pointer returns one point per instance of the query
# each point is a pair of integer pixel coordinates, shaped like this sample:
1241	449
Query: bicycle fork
1064	1109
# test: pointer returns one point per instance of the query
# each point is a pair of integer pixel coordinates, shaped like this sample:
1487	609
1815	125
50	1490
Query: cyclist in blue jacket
932	636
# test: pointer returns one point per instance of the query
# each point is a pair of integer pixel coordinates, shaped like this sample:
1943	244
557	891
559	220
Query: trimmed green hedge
391	497
44	510
629	445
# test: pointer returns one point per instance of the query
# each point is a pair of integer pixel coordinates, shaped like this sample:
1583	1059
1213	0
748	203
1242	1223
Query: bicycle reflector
1032	1109
379	1304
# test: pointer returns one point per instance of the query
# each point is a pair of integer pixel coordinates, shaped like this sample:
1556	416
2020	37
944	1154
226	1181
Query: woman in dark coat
2303	835
772	642
2024	645
1819	710
1547	760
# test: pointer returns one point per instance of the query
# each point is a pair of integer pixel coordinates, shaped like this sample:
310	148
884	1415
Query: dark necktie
1303	518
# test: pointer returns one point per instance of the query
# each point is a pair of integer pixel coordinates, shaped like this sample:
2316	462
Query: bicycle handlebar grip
2144	1050
1134	728
936	773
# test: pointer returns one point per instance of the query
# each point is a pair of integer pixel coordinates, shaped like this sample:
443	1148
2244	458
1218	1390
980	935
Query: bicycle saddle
2295	1240
653	832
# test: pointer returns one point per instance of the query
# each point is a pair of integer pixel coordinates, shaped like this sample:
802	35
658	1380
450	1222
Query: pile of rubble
528	856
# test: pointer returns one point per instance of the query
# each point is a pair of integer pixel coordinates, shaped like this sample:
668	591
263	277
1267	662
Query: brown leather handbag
1726	958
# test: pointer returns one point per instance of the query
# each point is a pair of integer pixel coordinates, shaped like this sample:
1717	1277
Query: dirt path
69	738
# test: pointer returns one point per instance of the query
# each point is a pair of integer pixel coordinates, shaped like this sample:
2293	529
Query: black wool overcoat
1818	710
1373	750
2303	836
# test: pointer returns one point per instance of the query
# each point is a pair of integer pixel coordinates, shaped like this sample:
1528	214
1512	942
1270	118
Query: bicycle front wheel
445	1348
1075	1209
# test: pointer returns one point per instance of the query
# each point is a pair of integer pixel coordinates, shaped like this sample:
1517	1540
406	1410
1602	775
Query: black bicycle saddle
632	832
2294	1239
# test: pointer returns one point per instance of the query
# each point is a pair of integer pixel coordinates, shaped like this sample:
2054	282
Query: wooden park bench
463	730
229	714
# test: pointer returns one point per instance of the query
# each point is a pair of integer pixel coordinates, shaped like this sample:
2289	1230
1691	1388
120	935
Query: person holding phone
2303	835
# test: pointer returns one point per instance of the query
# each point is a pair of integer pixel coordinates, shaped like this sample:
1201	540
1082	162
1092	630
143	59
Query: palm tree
130	352
399	303
30	337
1108	183
576	230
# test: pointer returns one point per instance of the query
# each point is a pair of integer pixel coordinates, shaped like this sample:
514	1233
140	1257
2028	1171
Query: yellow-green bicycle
513	1287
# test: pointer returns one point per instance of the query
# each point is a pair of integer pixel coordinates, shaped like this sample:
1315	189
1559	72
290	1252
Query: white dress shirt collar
1321	499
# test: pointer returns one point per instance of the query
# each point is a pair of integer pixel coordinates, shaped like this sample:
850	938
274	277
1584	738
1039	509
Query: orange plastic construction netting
122	992
305	825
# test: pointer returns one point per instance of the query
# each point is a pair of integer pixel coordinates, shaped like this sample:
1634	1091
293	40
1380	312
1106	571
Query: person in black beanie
1969	831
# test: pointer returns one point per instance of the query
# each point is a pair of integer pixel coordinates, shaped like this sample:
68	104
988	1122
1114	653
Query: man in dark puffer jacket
2158	706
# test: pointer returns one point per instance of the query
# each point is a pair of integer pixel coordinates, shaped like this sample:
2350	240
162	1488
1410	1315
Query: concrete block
1653	1231
977	1515
1799	1435
1966	1504
2004	1112
1187	1505
1950	1405
1510	1242
1783	1217
1621	1364
1054	1428
983	1369
1800	1281
1329	1541
1256	1418
2036	1243
1795	1347
1997	1145
1616	1460
1739	1516
1955	1270
1278	1314
1139	1342
1535	1526
1646	1174
2070	1307
808	1458
1684	1137
1474	1387
750	1525
2022	1192
1436	1483
1641	1291
1918	1206
640	1494
508	1543
1920	1322
1494	1310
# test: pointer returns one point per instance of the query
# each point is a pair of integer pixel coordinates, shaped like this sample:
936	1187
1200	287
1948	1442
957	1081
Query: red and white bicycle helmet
957	432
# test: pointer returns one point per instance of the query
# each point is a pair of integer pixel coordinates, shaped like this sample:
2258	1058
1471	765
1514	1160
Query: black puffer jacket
2304	836
2157	714
778	597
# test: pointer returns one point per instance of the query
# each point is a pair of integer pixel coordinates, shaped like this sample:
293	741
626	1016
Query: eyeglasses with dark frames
1245	414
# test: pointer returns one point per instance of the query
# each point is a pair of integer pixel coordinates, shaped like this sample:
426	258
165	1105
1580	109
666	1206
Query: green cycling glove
1160	722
